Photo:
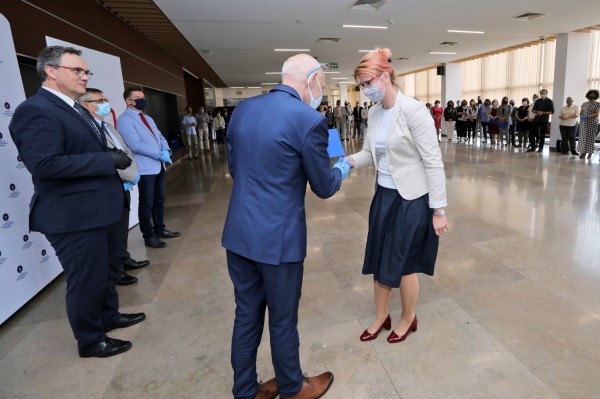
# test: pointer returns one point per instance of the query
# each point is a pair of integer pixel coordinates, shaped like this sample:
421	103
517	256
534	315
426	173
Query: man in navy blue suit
277	142
78	198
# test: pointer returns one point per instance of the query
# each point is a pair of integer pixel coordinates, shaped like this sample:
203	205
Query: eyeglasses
78	71
324	67
100	101
367	83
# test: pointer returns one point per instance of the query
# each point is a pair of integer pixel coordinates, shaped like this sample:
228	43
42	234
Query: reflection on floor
512	312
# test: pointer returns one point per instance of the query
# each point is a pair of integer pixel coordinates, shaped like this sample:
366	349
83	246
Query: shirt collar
60	95
129	110
98	121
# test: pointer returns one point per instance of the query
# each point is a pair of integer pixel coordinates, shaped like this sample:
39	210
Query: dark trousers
151	209
124	226
258	286
91	260
484	130
357	128
220	136
567	134
471	129
537	133
511	133
461	129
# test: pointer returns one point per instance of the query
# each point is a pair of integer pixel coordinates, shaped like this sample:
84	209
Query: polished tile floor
512	312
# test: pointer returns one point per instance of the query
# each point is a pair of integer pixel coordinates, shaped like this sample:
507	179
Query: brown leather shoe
314	387
267	390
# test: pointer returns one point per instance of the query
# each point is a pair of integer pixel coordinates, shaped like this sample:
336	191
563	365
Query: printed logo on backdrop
7	110
27	244
3	142
45	257
21	273
14	193
2	259
6	222
20	164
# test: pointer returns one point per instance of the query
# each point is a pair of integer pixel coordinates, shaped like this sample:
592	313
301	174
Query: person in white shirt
569	117
364	114
203	118
189	124
219	126
407	213
344	122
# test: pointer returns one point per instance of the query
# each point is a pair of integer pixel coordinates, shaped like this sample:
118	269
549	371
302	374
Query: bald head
296	68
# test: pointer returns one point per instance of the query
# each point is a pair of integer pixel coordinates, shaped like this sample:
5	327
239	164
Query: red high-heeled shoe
367	336
394	338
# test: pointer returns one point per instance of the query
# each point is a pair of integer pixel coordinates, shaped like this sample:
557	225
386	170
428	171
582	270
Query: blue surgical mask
103	110
140	104
373	93
315	102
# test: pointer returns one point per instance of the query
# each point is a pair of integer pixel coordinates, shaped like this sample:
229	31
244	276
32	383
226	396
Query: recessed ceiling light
441	53
332	72
269	84
294	50
254	87
272	73
340	78
364	26
236	87
365	51
476	32
349	83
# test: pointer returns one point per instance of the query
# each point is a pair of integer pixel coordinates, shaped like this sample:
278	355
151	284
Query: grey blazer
131	172
412	151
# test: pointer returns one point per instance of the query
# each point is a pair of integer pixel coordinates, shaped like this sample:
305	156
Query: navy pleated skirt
401	238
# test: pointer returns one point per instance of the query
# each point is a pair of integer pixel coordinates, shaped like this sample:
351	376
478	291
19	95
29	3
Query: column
570	74
451	85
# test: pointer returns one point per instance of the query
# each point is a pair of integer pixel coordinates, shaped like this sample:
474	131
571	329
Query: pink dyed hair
375	63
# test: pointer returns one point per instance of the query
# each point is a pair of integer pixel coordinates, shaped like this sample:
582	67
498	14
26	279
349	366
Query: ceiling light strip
364	26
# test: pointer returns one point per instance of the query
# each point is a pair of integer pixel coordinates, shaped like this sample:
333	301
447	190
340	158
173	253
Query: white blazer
412	151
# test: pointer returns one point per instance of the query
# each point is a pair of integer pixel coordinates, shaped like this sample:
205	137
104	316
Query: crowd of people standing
523	126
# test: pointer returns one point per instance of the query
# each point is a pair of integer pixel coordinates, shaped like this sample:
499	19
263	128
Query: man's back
271	160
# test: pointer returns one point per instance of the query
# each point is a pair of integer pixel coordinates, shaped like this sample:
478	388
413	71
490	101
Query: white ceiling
241	34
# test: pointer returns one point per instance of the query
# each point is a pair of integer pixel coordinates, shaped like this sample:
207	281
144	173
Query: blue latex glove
583	117
127	185
136	180
165	156
344	167
345	161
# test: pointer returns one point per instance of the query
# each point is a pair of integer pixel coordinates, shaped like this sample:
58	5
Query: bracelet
439	212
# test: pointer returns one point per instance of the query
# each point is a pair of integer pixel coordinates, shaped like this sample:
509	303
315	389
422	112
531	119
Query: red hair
375	63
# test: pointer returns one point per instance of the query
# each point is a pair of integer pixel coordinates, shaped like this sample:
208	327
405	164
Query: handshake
343	164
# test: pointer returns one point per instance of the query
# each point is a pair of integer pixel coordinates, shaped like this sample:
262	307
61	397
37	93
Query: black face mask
591	98
140	104
504	102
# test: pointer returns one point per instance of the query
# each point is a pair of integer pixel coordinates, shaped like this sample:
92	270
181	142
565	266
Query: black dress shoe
575	153
132	264
531	149
168	234
155	243
126	320
108	347
125	279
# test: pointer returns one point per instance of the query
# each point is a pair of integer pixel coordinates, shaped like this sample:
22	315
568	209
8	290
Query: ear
50	71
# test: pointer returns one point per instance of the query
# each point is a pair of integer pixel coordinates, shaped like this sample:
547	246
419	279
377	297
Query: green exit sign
333	66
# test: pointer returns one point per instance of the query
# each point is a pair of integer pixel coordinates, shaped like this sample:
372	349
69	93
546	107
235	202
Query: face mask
314	102
373	93
505	102
494	104
544	96
103	110
140	104
524	103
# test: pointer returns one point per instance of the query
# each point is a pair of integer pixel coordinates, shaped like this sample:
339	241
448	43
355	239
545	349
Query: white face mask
494	104
543	96
524	103
373	93
314	102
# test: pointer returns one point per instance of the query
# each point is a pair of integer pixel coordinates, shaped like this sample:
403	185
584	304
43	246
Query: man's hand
121	160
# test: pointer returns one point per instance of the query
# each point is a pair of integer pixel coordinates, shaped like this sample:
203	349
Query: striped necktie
90	121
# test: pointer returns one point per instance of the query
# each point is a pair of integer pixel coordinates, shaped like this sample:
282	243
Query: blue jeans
151	210
256	287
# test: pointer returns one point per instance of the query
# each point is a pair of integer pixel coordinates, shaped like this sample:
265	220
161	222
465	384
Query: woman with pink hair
407	213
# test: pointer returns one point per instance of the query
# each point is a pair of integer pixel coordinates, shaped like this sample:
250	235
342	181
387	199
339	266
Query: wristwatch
439	212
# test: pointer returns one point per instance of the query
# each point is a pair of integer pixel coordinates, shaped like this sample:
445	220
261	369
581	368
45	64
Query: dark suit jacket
276	143
76	185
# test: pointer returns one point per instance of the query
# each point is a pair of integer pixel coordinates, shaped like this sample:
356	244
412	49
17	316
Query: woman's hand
350	159
440	225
